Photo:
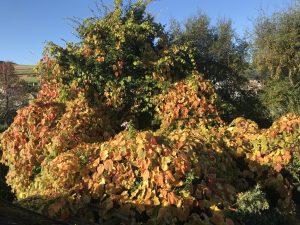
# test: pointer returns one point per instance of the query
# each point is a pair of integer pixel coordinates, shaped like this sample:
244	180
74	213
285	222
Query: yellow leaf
103	155
164	163
215	208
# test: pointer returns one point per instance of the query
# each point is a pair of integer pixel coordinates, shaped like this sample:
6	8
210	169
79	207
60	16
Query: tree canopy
223	57
276	56
120	61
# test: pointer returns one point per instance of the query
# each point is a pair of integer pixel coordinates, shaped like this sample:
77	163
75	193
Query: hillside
26	73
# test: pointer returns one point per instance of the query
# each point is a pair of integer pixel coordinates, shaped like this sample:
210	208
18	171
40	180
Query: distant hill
25	72
24	69
6	61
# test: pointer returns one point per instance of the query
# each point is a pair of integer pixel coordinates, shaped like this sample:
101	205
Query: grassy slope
26	73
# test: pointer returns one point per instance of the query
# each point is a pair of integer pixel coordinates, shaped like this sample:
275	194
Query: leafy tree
276	56
223	59
120	61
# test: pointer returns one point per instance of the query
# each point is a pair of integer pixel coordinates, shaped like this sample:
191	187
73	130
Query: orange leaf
287	156
184	112
96	162
163	193
145	164
116	156
159	179
108	165
277	167
180	144
100	59
43	130
172	198
100	169
169	176
146	175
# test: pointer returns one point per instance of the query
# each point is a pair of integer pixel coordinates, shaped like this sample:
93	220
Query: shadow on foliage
5	190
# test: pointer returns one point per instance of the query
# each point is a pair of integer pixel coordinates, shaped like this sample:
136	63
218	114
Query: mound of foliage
125	124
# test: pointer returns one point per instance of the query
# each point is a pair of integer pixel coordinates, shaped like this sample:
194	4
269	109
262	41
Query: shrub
252	202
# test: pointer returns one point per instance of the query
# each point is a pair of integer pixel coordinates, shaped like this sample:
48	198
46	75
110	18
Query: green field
26	73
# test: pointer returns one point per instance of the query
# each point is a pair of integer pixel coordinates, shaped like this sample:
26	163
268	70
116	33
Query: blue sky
27	24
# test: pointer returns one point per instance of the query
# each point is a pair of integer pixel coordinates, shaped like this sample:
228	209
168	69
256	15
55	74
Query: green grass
26	73
29	79
24	69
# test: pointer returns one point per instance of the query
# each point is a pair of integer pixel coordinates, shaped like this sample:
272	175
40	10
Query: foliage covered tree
121	60
276	56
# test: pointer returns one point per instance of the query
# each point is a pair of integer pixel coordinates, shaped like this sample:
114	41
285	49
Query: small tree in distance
12	93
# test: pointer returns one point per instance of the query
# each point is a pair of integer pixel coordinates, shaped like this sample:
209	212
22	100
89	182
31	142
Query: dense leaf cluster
62	157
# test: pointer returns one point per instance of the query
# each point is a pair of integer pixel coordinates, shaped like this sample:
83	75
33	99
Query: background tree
13	93
7	77
276	56
223	57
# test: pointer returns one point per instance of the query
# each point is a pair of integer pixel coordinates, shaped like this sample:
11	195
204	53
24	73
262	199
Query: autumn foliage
68	154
